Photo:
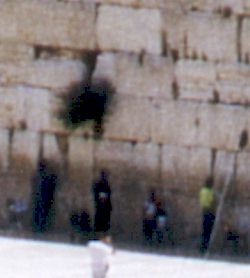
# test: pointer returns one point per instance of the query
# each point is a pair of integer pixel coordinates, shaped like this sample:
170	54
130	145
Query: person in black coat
102	199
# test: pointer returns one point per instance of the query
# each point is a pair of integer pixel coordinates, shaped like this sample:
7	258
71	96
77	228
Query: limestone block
26	107
243	176
220	126
151	78
146	162
219	42
51	150
13	52
184	169
235	73
195	80
135	3
80	155
106	68
55	74
126	117
25	149
232	93
174	123
4	150
48	23
185	36
223	169
127	29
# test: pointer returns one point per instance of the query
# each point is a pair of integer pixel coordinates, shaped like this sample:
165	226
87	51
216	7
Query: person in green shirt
207	203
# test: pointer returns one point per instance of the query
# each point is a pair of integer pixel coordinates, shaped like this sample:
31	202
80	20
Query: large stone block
51	149
195	80
184	169
135	3
220	126
174	123
55	74
127	29
232	93
26	107
185	36
14	52
48	23
245	45
126	117
235	73
151	78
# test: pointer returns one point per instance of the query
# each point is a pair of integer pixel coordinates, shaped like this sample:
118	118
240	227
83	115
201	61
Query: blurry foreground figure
102	199
207	203
100	252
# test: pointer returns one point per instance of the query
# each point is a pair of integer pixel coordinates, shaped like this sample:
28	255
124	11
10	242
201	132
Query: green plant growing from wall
85	102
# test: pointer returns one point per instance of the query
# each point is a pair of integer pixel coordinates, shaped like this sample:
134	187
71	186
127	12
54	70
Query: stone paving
22	258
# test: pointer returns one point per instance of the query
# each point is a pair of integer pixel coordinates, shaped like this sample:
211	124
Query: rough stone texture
232	93
152	78
16	101
223	169
174	123
185	169
13	52
195	80
243	179
55	74
51	150
48	23
4	150
235	73
223	126
185	36
126	117
135	30
245	45
134	3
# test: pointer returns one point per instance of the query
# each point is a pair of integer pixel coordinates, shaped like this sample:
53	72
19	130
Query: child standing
100	252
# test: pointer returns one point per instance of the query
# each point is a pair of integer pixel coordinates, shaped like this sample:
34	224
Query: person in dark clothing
161	223
102	199
149	213
44	183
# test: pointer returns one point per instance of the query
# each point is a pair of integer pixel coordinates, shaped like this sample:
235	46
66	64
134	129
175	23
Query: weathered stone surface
220	126
243	176
55	74
174	123
51	150
19	108
185	36
48	23
232	93
4	150
13	52
126	118
184	169
245	45
195	80
151	78
235	73
223	168
126	29
25	145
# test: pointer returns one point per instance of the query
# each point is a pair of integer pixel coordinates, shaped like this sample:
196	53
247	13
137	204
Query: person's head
104	174
209	182
105	237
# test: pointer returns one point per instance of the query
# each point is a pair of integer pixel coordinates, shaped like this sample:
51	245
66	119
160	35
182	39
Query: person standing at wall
207	203
103	206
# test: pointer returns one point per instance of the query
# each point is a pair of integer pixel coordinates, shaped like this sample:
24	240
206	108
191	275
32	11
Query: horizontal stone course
48	23
127	29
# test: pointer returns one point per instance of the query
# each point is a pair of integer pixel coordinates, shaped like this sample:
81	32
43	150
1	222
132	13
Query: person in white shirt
100	253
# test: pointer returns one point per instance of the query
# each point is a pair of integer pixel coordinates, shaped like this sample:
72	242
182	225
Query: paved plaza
20	258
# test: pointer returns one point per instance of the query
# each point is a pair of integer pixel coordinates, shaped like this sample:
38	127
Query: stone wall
181	74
